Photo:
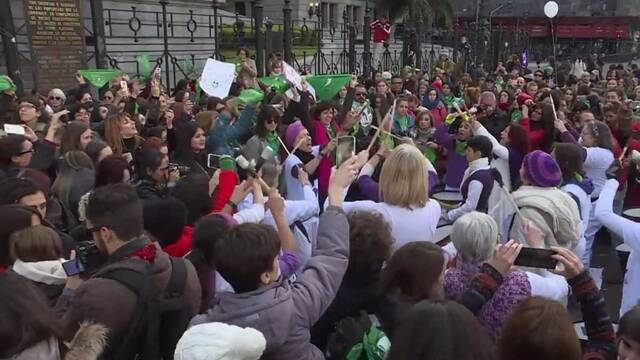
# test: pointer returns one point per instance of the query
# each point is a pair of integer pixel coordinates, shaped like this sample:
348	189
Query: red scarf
146	253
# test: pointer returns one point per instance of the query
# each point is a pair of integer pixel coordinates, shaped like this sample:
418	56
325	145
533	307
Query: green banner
99	77
276	82
327	86
250	96
6	83
144	65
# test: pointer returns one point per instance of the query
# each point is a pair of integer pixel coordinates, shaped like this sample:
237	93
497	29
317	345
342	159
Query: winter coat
111	303
284	311
48	276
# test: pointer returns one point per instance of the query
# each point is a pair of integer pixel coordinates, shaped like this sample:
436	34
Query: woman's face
612	84
422	89
27	112
108	97
23	159
326	116
85	137
568	96
611	119
504	136
425	122
104	153
402	108
637	93
198	140
536	114
379	103
271	124
128	128
277	69
343	92
382	88
82	115
433	95
242	55
161	174
303	140
464	131
504	98
586	137
628	349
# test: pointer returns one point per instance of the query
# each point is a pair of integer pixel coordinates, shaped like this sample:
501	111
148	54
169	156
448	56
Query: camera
88	257
183	169
482	108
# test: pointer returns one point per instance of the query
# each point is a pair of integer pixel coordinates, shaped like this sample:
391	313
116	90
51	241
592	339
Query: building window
241	8
333	15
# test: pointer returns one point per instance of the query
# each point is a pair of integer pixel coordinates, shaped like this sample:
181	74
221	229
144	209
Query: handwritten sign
291	75
56	36
217	78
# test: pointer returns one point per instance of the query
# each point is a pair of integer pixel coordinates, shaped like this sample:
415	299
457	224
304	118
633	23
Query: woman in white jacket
630	232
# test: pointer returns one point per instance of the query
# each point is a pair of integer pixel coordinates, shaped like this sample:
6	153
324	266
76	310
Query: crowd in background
223	228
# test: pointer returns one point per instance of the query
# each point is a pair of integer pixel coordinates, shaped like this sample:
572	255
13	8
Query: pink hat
293	130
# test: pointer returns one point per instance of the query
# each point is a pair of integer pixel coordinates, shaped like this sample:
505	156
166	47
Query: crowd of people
138	221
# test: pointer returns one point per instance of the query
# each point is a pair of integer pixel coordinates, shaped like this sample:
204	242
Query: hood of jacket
46	272
268	310
586	184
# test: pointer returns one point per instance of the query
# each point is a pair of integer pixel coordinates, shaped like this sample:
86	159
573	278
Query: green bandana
273	142
374	346
461	146
516	116
99	77
430	154
330	131
6	83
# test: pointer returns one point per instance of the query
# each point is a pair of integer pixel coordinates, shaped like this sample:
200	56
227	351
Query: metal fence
180	40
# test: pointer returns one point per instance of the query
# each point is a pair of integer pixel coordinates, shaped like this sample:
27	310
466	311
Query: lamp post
551	11
314	9
216	48
257	26
495	10
366	37
287	31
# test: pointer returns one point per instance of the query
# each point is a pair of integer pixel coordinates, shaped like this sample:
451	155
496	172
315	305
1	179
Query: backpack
159	318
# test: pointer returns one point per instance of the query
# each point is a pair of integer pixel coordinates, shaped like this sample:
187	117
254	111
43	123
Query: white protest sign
291	75
217	78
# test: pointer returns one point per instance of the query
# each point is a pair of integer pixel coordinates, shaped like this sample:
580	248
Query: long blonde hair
403	180
112	133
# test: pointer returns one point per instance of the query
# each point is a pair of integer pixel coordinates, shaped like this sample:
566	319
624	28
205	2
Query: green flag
189	68
99	77
276	82
250	96
327	86
144	65
198	92
6	83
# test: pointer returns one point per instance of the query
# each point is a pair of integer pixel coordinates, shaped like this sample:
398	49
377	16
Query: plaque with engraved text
57	42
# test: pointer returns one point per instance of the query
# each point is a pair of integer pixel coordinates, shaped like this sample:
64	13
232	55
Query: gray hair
475	236
488	95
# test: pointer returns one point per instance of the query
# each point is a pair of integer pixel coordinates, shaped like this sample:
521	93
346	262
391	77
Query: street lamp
500	7
216	48
551	11
314	9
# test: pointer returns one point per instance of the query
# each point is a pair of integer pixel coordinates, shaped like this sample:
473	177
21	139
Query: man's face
361	95
36	201
520	82
586	118
471	154
585	78
490	103
54	101
396	85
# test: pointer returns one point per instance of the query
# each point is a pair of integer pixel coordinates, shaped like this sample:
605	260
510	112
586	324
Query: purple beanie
541	169
293	130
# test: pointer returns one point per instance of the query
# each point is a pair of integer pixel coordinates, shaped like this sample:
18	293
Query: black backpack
159	318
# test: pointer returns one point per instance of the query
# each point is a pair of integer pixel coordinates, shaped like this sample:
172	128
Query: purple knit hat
541	169
293	130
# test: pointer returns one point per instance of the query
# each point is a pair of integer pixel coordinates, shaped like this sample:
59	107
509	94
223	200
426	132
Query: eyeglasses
94	229
538	112
30	106
108	97
31	151
271	121
55	98
360	94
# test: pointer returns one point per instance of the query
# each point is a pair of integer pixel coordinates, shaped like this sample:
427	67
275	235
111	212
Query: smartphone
13	129
124	85
536	258
345	150
72	267
222	162
156	72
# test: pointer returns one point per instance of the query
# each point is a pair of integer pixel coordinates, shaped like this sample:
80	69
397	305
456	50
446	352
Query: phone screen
223	162
345	150
536	258
13	129
72	267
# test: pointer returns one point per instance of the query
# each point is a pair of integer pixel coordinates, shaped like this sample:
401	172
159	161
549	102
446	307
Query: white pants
589	235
